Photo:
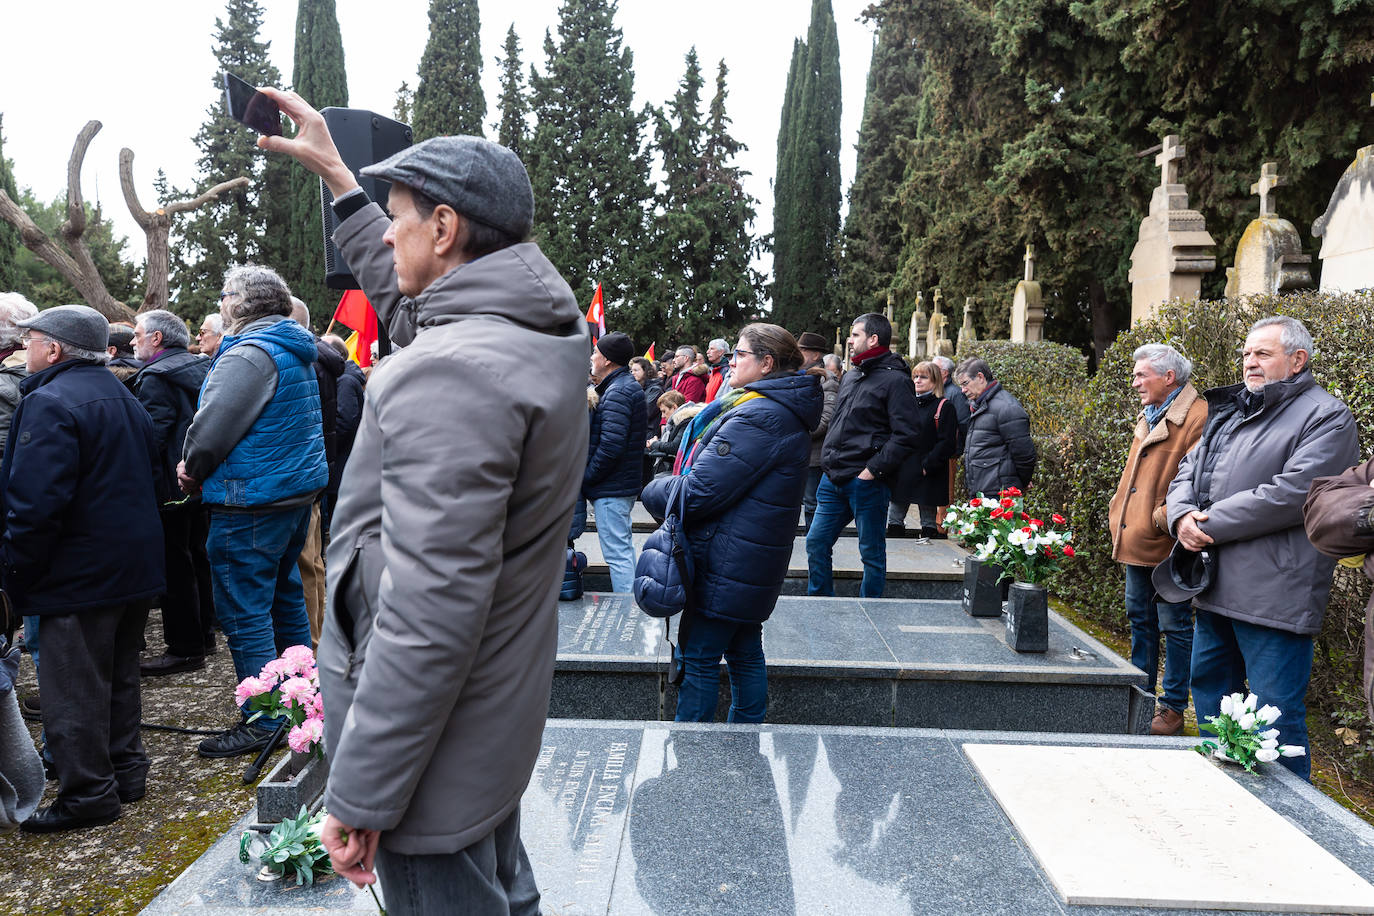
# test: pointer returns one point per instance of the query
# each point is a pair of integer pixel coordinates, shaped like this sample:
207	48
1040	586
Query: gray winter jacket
998	449
13	370
1252	488
448	543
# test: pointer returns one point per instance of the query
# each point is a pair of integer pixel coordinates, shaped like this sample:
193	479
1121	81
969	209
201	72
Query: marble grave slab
1169	829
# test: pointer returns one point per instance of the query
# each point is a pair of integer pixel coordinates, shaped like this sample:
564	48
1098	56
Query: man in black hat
82	550
615	455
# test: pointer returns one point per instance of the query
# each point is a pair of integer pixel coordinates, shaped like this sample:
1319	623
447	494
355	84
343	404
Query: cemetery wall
1083	429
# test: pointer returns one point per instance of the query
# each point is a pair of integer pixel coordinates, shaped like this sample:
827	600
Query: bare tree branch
75	264
157	226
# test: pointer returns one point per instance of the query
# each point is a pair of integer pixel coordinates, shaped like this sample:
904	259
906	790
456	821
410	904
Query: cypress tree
589	166
318	75
803	287
868	263
511	129
234	228
784	182
9	236
449	97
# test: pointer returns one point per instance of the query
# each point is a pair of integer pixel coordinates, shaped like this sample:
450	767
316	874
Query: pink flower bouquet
289	687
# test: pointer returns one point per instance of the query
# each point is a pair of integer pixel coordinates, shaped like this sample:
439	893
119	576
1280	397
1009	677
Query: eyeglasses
227	293
739	350
27	339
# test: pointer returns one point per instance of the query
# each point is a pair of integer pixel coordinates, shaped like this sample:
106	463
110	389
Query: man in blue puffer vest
615	455
255	452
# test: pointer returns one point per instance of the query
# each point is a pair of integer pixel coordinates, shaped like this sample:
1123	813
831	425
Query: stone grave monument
1347	228
937	344
916	340
1269	257
1027	307
1174	248
966	332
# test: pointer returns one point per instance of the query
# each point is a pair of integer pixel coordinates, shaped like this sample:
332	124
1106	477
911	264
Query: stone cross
1168	160
1030	261
1269	180
939	300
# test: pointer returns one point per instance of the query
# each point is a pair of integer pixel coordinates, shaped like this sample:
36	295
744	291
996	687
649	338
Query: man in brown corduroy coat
1169	425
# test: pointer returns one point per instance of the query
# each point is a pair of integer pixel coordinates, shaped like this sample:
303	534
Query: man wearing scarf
872	431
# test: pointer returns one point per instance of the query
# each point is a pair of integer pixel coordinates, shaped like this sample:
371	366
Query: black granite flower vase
982	594
1028	618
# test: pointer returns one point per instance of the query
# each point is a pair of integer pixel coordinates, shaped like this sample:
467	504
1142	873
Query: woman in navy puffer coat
744	459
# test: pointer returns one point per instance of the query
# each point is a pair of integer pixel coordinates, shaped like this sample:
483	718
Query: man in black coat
872	431
998	450
614	455
348	415
168	387
82	549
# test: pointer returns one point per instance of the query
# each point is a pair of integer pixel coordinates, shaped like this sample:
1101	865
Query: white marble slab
1129	827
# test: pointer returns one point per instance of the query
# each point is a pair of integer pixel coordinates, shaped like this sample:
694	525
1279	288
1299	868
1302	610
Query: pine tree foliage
247	225
809	174
448	99
318	76
703	225
9	236
405	103
511	129
590	167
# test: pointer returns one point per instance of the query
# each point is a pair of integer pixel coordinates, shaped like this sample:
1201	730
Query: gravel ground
191	802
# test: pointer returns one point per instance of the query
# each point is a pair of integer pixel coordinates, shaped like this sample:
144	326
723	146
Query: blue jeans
490	877
1277	664
865	502
259	600
617	543
741	644
31	638
1149	618
813	481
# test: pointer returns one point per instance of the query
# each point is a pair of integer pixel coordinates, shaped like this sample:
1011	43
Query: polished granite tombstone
646	818
933	570
836	661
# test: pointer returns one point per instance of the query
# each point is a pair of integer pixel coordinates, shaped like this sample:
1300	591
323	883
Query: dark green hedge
1083	429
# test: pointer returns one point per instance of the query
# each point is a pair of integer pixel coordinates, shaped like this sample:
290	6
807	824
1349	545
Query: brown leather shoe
1166	722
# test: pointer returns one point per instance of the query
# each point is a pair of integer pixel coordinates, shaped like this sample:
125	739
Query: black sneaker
29	708
241	739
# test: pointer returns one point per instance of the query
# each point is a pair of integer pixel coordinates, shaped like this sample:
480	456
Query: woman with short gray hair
251	292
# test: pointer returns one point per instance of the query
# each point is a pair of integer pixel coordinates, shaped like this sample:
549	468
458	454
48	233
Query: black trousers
187	606
91	705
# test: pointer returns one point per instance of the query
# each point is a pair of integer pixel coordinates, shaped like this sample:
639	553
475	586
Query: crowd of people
208	464
217	468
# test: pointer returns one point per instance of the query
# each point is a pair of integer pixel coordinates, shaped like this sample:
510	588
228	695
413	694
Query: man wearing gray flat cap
76	480
448	541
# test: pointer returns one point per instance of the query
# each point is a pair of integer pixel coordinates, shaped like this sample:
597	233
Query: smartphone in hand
250	107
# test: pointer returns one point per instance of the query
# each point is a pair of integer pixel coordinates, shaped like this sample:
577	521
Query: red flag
356	313
649	353
596	313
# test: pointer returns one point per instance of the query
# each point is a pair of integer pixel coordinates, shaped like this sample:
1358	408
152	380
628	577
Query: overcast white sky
145	68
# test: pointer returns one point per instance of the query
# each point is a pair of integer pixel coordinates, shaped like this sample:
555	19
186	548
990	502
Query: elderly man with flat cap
447	546
82	551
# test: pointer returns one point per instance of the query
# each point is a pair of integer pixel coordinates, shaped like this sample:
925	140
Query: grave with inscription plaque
861	662
648	818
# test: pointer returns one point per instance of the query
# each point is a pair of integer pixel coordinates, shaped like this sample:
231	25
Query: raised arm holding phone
447	547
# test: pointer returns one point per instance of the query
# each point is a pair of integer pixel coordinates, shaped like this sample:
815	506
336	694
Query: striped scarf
703	427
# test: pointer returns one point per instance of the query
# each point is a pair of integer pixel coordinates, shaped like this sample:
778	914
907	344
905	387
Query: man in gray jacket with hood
448	541
1238	495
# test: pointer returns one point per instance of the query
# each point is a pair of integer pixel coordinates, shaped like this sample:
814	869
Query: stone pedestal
1347	229
1174	248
